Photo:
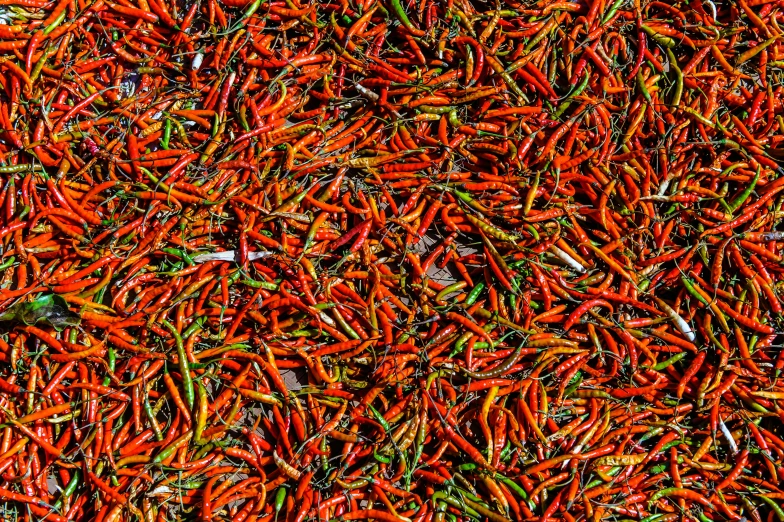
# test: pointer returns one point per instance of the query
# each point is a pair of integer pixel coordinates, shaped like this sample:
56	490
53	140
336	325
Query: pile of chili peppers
396	260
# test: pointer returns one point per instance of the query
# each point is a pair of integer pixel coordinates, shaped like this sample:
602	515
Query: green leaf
51	309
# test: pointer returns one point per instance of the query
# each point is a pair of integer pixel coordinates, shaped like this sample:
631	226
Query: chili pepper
498	370
122	229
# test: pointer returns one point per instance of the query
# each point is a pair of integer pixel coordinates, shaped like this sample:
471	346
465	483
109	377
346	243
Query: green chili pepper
181	254
112	356
659	38
513	485
454	120
234	277
641	84
670	444
573	387
380	418
419	441
201	413
194	327
743	196
753	342
774	506
324	456
260	284
690	288
549	27
651	433
464	196
498	370
151	416
7	263
381	458
474	294
666	492
570	98
280	499
204	450
506	453
244	119
345	326
24	167
456	503
438	109
613	9
676	96
400	12
39	66
288	205
69	490
57	21
182	360
669	362
167	128
594	483
215	126
460	343
169	450
454	287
